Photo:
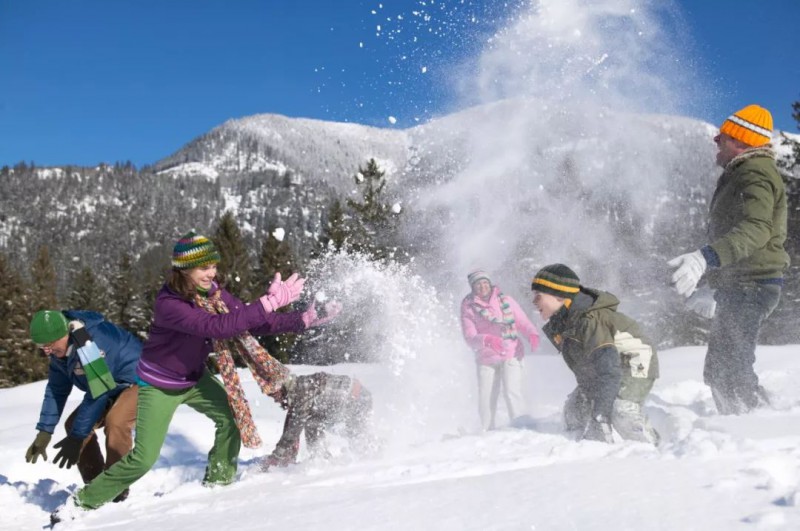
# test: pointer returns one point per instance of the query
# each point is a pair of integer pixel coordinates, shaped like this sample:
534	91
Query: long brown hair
178	281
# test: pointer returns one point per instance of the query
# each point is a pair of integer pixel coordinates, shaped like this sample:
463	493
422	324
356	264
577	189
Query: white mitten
690	268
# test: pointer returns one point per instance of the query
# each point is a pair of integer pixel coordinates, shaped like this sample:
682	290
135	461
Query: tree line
100	238
125	291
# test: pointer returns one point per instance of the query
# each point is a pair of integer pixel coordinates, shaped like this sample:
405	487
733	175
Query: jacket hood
87	317
589	299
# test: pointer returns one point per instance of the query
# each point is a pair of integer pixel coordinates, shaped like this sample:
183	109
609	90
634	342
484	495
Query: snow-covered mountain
308	151
508	186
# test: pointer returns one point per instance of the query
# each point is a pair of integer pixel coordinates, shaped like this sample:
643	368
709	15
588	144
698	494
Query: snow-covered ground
711	472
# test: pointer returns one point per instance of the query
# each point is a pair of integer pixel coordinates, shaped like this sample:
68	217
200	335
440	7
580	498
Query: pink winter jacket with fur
476	328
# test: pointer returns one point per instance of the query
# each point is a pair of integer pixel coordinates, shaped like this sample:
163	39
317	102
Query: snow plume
393	318
621	54
566	155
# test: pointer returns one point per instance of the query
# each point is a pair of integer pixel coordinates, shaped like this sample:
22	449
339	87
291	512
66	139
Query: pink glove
281	293
494	343
310	318
533	339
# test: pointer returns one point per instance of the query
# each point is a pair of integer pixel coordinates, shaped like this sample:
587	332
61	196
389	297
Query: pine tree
87	292
335	232
152	269
43	288
275	256
796	146
374	227
234	269
781	327
19	362
124	295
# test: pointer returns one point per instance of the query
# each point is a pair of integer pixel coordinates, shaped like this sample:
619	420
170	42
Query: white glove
690	267
702	302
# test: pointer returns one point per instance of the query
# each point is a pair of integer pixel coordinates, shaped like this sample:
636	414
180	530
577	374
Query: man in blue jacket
107	377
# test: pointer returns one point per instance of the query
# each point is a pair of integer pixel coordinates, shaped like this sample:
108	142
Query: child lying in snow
315	402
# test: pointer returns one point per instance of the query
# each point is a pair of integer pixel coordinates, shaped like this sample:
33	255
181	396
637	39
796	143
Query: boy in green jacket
614	364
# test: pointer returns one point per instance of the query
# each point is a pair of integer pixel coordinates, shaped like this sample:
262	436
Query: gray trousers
728	370
627	418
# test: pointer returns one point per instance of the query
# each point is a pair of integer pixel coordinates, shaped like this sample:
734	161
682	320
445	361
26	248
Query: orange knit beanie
751	125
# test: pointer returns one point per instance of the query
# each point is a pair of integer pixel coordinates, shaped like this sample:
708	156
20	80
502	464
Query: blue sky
88	81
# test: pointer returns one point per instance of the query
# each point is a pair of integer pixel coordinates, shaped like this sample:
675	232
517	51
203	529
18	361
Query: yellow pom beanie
751	125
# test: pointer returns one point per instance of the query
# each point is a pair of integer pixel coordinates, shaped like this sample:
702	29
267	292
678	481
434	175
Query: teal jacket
747	220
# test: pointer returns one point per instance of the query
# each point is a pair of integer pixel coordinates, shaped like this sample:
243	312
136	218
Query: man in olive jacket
744	260
614	364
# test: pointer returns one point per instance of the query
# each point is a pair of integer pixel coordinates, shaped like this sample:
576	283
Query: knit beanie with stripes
751	125
478	274
558	280
193	250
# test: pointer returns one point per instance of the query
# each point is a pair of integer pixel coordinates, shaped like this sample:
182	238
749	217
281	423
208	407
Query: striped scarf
507	320
268	372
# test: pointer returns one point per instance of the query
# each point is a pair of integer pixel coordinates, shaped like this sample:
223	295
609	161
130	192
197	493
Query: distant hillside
306	151
507	185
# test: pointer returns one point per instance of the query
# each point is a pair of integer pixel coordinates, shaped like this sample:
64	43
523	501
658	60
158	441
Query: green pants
155	411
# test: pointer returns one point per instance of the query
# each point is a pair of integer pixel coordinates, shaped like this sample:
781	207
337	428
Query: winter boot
67	512
727	403
122	496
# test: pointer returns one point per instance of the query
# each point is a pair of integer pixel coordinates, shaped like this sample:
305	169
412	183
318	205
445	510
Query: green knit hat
558	280
48	326
194	250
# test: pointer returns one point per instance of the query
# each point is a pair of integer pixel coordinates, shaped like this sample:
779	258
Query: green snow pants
155	411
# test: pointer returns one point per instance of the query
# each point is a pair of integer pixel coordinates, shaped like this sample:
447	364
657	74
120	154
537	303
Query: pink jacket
476	328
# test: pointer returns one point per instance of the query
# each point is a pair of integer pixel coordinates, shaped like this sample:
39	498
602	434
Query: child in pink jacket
492	324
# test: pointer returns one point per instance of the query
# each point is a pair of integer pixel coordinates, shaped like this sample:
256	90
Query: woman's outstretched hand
282	292
311	319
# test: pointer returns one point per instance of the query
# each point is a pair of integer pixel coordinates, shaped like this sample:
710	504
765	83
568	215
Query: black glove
38	447
598	429
70	450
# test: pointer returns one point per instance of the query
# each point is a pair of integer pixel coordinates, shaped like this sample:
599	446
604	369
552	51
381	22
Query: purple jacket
174	355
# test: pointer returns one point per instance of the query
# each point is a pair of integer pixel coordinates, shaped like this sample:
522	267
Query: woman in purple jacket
192	317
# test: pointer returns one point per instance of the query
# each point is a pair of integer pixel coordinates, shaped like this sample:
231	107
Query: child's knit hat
751	125
48	326
194	250
558	280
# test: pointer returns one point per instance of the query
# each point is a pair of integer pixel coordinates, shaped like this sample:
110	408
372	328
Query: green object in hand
38	447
